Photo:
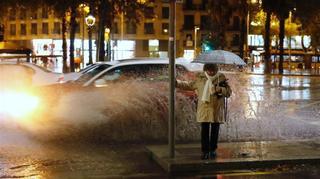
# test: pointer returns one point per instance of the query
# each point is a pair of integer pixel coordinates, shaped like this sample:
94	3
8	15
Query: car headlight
17	104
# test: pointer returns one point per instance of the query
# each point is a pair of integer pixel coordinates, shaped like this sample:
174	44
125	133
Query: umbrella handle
225	109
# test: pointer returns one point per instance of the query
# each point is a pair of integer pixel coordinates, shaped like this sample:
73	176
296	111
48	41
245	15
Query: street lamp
289	45
107	38
84	10
196	28
90	20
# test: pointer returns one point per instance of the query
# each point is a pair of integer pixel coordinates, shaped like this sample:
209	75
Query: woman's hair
210	67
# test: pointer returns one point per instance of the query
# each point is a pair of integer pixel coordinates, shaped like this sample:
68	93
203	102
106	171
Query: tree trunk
281	36
64	45
267	61
73	26
101	48
244	30
243	34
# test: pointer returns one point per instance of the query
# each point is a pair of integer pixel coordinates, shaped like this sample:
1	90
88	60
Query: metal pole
90	45
122	25
82	40
195	41
289	44
196	28
172	79
248	26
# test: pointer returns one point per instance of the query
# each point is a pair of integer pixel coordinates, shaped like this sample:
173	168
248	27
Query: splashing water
257	112
130	111
137	111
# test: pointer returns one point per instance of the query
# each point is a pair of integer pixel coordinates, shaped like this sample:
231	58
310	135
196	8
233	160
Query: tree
133	10
73	27
243	11
309	16
220	12
282	10
63	9
268	7
60	9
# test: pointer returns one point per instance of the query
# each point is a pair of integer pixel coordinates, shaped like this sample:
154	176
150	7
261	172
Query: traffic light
207	46
210	42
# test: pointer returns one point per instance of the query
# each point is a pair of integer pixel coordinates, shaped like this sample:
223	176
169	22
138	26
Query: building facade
41	31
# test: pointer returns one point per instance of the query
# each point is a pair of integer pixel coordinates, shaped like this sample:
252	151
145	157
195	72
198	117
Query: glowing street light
107	38
196	28
90	20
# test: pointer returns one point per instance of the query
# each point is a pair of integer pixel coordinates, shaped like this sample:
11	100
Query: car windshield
141	72
87	75
87	68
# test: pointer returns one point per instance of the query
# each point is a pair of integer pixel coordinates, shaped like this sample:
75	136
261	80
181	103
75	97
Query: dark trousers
209	136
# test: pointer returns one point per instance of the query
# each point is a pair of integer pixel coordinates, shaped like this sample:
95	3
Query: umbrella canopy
219	57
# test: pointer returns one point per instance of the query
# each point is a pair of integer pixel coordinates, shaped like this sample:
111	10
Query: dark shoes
213	154
207	155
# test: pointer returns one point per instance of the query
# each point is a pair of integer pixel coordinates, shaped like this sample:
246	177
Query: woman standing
212	88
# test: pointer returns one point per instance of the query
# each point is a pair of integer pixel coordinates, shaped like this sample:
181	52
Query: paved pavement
259	69
237	156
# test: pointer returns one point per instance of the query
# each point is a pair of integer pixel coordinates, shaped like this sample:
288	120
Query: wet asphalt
22	156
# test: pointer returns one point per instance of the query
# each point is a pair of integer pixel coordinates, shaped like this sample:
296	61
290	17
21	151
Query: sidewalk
259	70
237	156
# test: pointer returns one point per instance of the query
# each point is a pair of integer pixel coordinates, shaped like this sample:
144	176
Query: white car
152	71
28	73
140	67
90	69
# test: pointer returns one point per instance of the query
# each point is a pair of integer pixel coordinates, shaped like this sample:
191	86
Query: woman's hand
218	89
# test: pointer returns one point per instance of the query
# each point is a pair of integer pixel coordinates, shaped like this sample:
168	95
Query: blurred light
17	104
107	30
153	42
90	20
253	23
84	7
141	1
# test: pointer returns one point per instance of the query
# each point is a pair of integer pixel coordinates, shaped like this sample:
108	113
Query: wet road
263	100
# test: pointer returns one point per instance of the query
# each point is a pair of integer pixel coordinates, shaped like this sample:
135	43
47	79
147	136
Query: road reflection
283	87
